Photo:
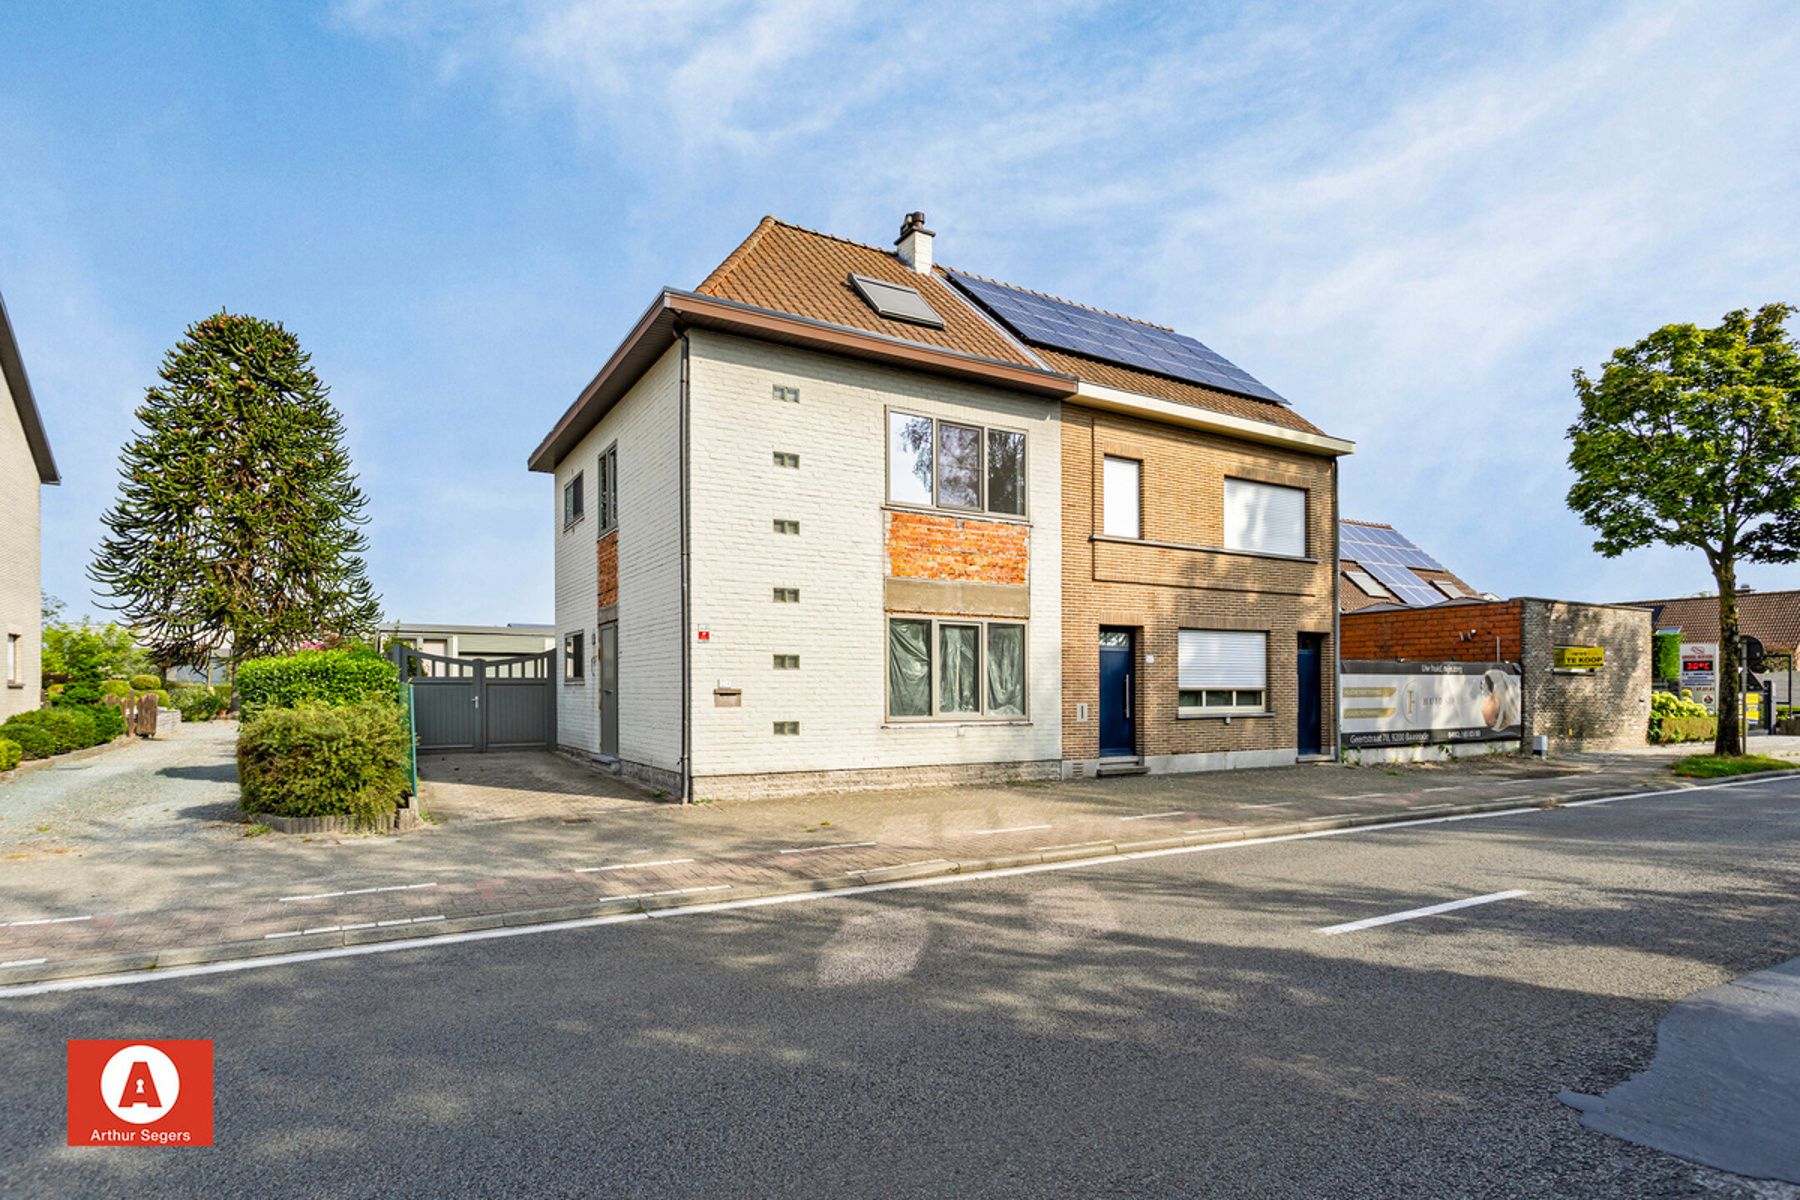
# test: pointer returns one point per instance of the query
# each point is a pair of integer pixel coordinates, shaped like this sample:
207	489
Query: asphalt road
1173	1026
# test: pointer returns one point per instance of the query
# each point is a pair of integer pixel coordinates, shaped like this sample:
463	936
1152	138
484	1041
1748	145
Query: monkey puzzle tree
1692	438
239	521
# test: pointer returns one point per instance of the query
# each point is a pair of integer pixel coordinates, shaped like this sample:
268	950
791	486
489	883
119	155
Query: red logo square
149	1093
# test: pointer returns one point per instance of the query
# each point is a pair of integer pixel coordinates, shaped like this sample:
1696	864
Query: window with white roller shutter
1223	671
1265	517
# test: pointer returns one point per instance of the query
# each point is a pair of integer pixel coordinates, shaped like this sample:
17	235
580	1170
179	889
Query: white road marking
398	887
136	978
636	866
688	891
1010	829
1448	787
833	846
1180	812
45	921
25	962
345	928
1282	804
1413	914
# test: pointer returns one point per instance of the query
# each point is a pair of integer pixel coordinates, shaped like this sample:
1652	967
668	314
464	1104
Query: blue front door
1311	732
1118	725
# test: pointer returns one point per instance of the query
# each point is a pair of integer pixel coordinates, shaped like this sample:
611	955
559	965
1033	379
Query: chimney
914	243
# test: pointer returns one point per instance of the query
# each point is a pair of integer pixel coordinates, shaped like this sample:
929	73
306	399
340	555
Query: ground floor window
1223	672
951	668
574	657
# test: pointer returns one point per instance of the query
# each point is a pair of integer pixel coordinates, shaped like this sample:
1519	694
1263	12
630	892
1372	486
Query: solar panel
1063	326
1389	556
896	301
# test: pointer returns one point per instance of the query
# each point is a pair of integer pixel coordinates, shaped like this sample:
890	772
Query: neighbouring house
1381	565
26	465
842	517
1773	618
1576	674
471	641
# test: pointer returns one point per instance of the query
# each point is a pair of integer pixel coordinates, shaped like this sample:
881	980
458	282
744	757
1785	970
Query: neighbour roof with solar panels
1382	567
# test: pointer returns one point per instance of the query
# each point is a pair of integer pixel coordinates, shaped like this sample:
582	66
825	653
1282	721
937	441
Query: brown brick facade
608	551
1186	581
962	549
1486	632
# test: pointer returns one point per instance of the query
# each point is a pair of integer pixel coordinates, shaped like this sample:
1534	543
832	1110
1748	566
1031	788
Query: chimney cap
914	223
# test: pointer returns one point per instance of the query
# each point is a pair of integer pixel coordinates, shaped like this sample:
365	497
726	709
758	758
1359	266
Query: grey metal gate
480	704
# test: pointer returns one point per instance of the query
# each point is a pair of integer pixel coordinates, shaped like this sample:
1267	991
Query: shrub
1686	729
320	760
116	687
145	683
69	726
109	721
199	703
1665	655
330	677
80	691
10	754
33	741
1672	715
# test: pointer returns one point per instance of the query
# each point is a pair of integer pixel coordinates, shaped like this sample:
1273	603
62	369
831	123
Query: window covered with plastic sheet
955	669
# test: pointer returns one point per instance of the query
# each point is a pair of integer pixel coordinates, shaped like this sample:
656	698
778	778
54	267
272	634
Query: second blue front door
1118	725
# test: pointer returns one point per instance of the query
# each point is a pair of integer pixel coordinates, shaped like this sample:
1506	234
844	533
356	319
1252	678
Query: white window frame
1246	691
937	716
986	430
1115	499
1254	485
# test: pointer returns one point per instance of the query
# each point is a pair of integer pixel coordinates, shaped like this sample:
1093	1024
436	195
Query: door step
1124	766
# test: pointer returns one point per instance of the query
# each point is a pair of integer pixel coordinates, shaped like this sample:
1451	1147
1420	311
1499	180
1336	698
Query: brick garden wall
1443	633
1607	709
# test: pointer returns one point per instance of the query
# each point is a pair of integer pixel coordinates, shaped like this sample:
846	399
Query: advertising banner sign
1699	671
1578	658
1420	703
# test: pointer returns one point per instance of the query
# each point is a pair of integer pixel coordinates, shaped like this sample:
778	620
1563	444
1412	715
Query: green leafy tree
238	526
1692	438
85	652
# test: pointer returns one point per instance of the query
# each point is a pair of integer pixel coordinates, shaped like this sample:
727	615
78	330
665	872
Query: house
1773	618
26	465
1382	566
471	641
841	517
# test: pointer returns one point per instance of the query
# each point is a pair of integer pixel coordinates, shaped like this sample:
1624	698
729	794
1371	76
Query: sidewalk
129	905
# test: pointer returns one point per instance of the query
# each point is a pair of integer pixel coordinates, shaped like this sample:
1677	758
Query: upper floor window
573	507
1265	517
949	464
609	488
1121	486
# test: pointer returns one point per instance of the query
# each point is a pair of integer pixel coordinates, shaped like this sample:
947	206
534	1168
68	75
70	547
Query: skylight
1366	582
896	302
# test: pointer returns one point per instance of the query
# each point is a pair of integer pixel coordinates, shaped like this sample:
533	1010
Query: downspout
687	707
1337	621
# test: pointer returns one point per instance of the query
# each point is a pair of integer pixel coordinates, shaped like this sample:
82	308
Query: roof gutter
1093	395
12	367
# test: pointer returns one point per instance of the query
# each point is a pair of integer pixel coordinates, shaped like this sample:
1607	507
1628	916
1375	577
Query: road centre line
25	962
135	978
45	921
398	887
635	866
1180	812
1275	804
833	846
1009	829
1413	914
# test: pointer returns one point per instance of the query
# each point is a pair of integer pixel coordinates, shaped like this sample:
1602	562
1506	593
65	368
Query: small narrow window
787	662
572	500
787	395
574	657
783	525
1121	483
909	668
15	667
959	668
1006	472
787	729
609	489
958	466
787	595
785	459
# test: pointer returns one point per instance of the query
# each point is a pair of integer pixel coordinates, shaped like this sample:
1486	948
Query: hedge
319	761
331	677
1686	729
69	727
34	741
198	703
146	683
109	721
10	754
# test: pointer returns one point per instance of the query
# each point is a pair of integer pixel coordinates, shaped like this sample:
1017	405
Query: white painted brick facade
838	562
645	424
19	560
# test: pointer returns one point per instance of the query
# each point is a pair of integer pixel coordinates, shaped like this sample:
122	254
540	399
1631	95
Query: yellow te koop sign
1579	658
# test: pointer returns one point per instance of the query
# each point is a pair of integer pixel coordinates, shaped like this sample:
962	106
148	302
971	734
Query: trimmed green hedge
68	726
10	754
34	740
1686	729
109	722
319	761
146	683
331	677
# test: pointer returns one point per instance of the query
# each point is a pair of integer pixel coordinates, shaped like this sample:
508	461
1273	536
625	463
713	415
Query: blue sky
1413	220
